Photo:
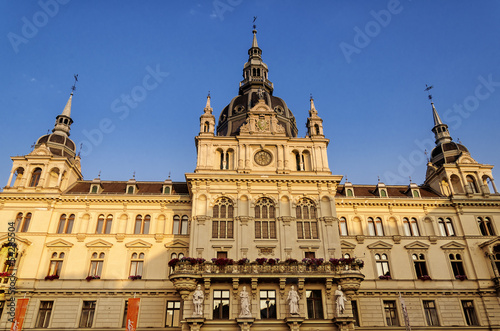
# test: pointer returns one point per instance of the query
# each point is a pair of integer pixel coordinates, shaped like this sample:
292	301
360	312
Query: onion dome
255	86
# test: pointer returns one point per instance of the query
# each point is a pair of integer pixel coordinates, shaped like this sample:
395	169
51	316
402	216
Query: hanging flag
21	306
132	314
405	313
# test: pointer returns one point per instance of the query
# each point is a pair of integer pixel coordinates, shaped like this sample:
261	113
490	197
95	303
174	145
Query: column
10	178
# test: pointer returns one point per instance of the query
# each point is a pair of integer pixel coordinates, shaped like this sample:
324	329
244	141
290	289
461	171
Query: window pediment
346	245
379	245
26	242
453	245
99	243
59	243
138	244
177	244
417	245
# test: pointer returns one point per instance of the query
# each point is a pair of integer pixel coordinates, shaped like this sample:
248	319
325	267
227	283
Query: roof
120	187
393	191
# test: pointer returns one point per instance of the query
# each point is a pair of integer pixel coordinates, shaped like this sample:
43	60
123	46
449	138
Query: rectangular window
267	304
222	229
44	312
125	311
265	229
314	304
431	313
173	318
310	255
87	317
355	312
469	312
222	255
391	313
221	304
307	230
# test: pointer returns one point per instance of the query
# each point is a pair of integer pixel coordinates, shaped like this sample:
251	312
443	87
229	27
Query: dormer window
349	192
166	190
131	189
383	193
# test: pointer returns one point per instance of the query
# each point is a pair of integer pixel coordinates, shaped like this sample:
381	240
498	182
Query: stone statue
245	303
293	301
340	300
198	297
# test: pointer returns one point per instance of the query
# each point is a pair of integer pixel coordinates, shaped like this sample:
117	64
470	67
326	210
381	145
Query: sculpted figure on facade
245	303
293	301
198	297
340	300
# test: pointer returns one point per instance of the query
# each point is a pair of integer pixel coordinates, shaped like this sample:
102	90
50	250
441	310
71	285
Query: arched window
420	265
206	127
298	163
307	224
382	265
471	183
456	184
343	227
265	223
136	265
485	226
411	227
22	224
496	257
142	225
55	265
316	129
446	227
222	225
35	177
375	228
177	224
96	264
104	224
349	192
457	266
18	176
184	224
66	225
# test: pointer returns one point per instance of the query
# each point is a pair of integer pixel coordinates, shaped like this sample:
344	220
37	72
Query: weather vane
427	89
73	88
254	19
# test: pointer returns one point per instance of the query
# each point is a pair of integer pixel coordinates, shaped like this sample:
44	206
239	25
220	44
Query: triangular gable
98	244
138	244
4	238
59	243
178	244
379	245
490	242
453	245
417	245
346	245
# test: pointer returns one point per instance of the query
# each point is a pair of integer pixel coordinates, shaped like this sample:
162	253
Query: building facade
260	236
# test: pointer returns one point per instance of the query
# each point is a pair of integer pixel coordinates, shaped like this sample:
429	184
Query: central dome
255	81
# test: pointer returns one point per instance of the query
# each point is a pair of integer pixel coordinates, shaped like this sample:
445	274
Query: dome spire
63	121
440	129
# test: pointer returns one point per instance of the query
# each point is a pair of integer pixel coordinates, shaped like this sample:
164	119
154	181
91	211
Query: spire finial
254	31
99	175
80	149
426	154
133	176
169	175
427	89
73	88
410	178
208	108
378	178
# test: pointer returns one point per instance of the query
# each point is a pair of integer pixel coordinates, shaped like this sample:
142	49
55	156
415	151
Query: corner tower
451	169
53	164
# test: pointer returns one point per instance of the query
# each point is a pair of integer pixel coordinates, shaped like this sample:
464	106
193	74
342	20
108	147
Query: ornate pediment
59	243
417	245
99	243
41	150
177	244
453	245
346	245
466	159
4	238
379	245
138	244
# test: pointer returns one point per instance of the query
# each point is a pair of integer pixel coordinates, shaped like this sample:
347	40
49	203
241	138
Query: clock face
263	158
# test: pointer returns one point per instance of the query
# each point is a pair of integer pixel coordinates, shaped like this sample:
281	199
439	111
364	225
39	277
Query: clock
263	158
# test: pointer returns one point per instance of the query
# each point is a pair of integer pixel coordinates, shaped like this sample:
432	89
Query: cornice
402	203
185	199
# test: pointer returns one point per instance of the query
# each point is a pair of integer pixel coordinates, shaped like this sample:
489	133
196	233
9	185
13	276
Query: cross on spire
73	88
427	89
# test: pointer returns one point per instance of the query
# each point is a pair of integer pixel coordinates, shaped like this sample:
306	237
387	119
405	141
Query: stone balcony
186	275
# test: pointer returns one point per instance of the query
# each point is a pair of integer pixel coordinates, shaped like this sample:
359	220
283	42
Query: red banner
132	314
21	306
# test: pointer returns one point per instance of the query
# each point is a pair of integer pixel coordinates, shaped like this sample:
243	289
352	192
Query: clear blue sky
368	86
